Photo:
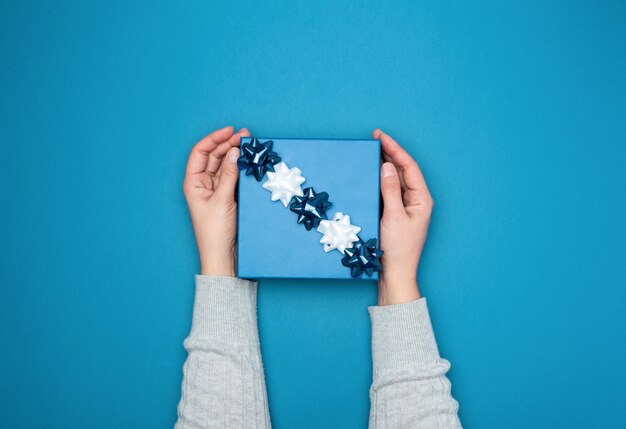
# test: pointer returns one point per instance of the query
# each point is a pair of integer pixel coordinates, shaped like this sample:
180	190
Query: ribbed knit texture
402	335
225	307
224	386
410	389
223	382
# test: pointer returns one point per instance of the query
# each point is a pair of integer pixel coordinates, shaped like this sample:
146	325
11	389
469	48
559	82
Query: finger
199	156
410	172
388	159
409	196
229	175
376	134
390	189
215	158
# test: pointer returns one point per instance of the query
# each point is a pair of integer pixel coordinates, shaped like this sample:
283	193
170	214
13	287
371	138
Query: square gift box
270	241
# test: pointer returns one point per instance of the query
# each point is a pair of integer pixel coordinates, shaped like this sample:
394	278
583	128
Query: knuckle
391	186
428	209
186	191
199	149
393	216
230	172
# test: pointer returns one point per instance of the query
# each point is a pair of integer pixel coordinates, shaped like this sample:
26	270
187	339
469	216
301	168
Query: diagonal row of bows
258	160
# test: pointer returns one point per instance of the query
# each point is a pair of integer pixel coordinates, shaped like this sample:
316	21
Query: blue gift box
270	242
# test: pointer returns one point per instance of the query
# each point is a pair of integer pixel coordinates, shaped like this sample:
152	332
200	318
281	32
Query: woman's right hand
210	184
404	224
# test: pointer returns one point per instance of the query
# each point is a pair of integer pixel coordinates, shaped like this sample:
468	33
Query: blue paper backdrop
515	110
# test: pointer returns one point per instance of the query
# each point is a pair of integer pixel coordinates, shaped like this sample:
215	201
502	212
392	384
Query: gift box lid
270	242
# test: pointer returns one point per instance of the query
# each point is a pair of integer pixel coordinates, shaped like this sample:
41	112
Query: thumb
229	175
390	188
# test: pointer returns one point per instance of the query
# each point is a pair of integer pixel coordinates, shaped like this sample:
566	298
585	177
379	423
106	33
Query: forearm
410	388
223	382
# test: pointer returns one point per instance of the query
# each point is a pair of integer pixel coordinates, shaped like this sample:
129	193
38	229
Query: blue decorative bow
257	158
363	257
310	208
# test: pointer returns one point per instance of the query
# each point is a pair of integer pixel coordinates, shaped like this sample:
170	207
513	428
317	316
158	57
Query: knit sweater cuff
224	307
402	335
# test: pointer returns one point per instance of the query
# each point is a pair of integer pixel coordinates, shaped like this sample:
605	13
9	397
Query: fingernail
388	170
233	155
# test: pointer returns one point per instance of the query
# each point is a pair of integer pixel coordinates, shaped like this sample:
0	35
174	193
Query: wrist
217	265
397	290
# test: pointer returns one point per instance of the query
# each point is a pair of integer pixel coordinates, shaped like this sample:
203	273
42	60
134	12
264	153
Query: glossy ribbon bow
363	257
310	208
257	158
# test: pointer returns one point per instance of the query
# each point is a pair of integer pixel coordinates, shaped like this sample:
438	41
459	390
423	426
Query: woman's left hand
209	187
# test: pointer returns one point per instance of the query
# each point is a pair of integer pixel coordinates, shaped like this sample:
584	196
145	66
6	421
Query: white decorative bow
338	233
284	183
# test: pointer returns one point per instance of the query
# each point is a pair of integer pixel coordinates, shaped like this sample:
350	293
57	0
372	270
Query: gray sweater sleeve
224	386
223	382
410	388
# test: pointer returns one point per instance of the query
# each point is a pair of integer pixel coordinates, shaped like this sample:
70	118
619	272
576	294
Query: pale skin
211	181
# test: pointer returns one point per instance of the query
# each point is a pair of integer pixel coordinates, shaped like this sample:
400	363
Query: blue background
271	244
515	110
